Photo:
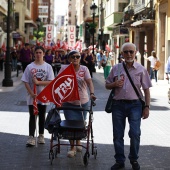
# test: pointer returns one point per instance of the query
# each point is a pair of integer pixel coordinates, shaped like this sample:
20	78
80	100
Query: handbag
134	87
108	107
157	65
103	64
53	120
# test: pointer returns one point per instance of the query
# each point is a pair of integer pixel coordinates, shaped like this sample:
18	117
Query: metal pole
7	81
49	10
37	32
93	32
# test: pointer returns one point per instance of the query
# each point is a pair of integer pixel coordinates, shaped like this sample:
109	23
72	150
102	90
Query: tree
39	32
91	27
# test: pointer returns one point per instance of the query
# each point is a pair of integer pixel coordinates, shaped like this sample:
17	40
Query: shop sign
16	35
49	35
71	36
120	30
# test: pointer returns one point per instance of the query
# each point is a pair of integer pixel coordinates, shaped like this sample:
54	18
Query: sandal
71	154
79	148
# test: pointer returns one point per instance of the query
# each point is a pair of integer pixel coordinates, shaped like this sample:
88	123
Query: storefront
120	36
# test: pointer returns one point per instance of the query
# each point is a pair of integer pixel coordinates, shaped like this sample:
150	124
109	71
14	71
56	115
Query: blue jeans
14	64
75	114
133	111
153	74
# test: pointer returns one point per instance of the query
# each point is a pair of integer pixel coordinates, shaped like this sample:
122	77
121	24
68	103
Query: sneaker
118	166
135	165
71	154
30	141
41	139
79	148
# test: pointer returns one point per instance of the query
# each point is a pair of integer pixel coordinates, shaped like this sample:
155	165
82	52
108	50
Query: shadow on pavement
15	155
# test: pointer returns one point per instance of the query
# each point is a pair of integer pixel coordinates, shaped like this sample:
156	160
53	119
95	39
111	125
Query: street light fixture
93	7
7	81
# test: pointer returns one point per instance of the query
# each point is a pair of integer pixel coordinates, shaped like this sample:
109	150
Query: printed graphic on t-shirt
81	73
80	79
40	74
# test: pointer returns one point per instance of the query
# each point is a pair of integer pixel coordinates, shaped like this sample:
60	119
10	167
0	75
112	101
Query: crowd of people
55	58
40	67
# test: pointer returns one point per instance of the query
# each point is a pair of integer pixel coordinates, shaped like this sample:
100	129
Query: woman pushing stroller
84	80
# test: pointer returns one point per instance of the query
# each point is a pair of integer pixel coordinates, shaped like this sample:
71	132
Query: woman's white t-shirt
152	60
42	72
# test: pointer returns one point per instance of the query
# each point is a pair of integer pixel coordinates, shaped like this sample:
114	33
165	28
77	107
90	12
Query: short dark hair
27	44
39	48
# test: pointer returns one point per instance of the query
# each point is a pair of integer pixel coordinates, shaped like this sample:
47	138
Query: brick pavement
155	140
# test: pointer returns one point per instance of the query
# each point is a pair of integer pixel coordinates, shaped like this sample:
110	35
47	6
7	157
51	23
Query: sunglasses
75	56
130	51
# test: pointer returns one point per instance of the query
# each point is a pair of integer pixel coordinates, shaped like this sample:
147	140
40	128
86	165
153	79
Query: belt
127	101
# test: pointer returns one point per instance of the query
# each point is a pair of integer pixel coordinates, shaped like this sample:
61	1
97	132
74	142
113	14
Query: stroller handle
92	103
71	108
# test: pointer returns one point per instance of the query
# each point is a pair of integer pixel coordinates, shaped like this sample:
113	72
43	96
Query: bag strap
118	71
134	87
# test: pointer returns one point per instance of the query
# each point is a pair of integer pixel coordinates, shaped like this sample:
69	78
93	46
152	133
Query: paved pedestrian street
155	139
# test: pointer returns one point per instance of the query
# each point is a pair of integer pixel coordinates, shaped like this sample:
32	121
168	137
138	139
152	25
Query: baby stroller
71	130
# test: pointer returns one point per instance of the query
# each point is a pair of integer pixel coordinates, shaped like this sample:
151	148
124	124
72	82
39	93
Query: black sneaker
135	165
118	166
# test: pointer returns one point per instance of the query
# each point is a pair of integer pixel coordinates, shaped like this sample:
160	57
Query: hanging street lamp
93	8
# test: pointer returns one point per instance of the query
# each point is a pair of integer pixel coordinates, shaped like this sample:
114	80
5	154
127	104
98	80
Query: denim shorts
75	114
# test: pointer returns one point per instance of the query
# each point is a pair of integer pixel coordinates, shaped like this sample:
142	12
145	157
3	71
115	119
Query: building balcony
42	13
113	19
28	14
3	7
43	4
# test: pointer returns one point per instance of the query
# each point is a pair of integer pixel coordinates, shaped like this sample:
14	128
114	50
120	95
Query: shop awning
143	22
31	22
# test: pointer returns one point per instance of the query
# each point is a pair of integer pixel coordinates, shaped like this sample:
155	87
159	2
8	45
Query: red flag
107	47
3	47
35	108
63	88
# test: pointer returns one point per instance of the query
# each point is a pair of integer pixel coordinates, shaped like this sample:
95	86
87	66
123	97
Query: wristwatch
147	106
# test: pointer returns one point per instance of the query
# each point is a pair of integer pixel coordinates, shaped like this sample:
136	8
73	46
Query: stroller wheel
86	159
95	152
56	152
51	156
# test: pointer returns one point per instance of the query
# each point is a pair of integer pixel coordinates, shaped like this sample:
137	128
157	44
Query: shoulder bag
134	87
108	107
53	120
157	65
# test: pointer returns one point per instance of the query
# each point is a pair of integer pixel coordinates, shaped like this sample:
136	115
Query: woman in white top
37	73
153	58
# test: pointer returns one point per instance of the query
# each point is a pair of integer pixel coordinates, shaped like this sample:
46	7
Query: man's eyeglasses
130	51
75	56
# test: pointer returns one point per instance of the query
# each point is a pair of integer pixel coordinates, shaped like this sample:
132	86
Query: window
122	6
28	4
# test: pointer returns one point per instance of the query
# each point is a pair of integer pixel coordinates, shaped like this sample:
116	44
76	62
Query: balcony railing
114	18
